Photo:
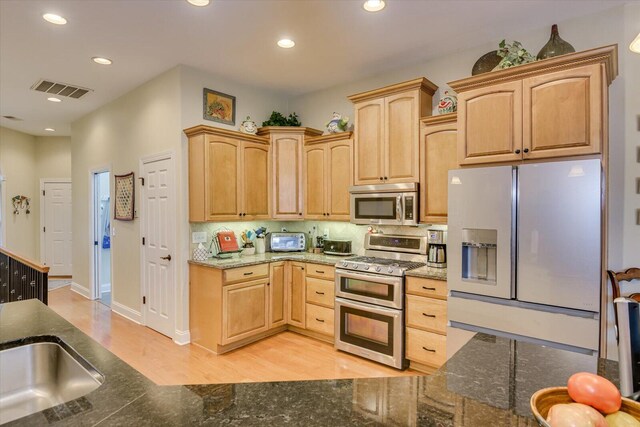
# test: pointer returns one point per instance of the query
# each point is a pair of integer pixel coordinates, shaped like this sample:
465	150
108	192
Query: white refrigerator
524	253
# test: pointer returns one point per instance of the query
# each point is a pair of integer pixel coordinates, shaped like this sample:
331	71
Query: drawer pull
249	273
319	271
429	349
320	320
428	289
429	315
319	293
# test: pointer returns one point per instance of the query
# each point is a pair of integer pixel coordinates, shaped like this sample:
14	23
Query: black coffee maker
629	346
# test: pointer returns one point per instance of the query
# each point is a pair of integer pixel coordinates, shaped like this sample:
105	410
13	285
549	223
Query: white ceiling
336	42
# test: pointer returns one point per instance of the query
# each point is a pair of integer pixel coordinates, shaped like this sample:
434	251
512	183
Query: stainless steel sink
37	376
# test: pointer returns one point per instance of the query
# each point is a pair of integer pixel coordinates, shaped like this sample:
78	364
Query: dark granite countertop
487	383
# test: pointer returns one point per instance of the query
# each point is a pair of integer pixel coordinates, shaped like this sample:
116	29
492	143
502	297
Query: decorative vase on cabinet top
448	103
555	46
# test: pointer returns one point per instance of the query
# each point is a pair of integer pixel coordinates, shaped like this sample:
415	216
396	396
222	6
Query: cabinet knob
518	151
385	178
381	178
526	150
300	213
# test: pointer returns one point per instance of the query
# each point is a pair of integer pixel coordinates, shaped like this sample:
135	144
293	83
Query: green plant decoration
277	119
512	55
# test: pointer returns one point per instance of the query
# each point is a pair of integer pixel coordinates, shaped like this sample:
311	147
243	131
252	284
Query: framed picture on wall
125	191
219	107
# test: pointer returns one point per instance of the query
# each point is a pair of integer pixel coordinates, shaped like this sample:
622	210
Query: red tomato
596	391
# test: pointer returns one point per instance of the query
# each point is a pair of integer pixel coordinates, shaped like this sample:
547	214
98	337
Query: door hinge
95	243
144	300
143	241
141	181
43	192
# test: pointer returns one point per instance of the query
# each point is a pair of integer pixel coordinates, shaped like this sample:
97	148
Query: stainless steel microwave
385	204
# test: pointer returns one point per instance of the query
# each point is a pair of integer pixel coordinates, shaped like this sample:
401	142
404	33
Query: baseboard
80	290
126	312
181	337
105	287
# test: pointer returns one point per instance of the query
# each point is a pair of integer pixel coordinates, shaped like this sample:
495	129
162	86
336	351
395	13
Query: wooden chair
616	278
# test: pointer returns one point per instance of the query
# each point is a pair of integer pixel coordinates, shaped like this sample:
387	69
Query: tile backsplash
334	229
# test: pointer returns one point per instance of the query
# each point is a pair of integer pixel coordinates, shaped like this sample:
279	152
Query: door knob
168	257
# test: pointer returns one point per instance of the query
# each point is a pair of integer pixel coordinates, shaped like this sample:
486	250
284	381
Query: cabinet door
369	142
222	178
563	113
277	290
287	168
437	157
490	124
339	179
256	180
401	137
296	295
244	310
314	181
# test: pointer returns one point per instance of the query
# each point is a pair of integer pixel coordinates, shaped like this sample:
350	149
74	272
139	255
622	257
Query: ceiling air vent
60	89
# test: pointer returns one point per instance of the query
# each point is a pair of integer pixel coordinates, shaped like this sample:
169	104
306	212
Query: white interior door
158	231
57	228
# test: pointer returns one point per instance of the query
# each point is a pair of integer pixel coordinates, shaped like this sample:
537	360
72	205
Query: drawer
426	347
251	272
321	292
427	287
319	319
427	313
326	272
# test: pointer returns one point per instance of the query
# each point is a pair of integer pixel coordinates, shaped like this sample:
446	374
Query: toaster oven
286	242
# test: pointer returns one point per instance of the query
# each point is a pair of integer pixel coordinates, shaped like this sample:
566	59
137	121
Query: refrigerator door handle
515	196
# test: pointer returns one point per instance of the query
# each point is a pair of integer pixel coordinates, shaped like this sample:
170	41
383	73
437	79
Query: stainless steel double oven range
369	306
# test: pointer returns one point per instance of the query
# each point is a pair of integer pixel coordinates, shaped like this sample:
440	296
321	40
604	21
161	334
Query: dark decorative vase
555	46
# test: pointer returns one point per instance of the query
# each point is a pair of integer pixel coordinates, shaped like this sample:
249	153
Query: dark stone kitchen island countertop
487	383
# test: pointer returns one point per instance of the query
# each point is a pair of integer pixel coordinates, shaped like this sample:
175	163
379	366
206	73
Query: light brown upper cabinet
386	138
286	154
438	142
328	174
551	108
229	175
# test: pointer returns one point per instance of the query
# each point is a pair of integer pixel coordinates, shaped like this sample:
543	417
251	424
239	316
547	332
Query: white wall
18	167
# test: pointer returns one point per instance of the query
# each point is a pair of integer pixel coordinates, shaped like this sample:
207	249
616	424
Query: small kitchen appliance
437	254
385	204
337	247
369	304
629	346
286	242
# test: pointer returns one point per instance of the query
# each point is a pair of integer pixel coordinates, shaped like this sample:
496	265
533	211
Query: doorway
55	229
102	236
158	229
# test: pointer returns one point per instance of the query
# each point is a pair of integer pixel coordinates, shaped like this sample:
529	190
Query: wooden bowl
543	400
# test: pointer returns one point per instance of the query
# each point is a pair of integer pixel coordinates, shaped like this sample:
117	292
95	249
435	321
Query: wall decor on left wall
218	107
125	191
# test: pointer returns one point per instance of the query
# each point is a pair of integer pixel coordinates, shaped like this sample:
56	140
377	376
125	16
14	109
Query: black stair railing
21	279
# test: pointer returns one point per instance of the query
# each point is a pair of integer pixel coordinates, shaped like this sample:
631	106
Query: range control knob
378	269
344	263
366	267
390	270
355	266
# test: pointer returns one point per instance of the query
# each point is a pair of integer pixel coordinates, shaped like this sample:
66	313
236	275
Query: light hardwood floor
284	357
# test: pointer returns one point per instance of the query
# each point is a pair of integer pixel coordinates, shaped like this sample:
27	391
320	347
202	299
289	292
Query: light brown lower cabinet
426	320
234	307
296	295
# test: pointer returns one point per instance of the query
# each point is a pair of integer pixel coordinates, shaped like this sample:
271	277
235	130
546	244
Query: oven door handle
375	278
369	307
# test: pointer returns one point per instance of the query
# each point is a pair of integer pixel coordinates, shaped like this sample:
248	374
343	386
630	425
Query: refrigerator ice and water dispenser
479	255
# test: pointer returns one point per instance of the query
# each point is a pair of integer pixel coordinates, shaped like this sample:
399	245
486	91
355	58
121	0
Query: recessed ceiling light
53	99
102	61
50	129
374	5
199	3
54	19
286	43
635	45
